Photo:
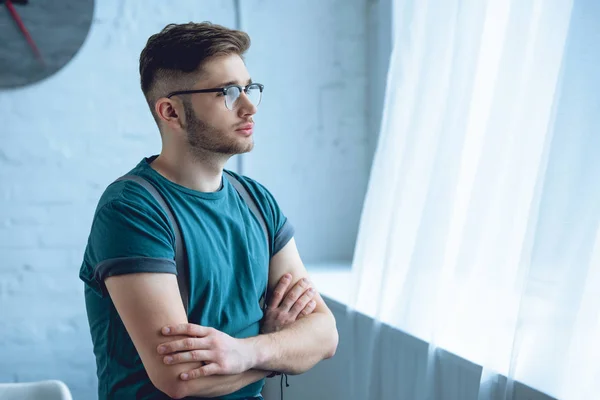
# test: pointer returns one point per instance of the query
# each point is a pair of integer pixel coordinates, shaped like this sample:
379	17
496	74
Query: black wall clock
39	37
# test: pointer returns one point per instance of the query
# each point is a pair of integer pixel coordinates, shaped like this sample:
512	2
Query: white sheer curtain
481	227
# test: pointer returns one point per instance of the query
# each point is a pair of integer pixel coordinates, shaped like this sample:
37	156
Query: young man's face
210	125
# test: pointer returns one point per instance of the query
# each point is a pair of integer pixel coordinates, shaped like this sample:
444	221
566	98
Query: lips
245	127
245	130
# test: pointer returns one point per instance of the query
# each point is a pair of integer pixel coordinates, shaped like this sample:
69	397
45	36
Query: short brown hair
173	57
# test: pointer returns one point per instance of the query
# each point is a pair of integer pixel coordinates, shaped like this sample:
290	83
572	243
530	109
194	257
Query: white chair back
43	390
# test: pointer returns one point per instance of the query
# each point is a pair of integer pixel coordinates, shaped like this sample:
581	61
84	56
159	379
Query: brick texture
65	138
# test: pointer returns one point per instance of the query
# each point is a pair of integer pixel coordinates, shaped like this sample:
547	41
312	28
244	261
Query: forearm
299	346
221	385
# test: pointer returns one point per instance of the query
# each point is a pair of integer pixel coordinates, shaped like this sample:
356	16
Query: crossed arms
204	362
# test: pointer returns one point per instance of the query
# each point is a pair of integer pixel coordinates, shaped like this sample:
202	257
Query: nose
245	106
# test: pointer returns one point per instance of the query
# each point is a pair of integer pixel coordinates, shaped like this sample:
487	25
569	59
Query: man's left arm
297	347
299	336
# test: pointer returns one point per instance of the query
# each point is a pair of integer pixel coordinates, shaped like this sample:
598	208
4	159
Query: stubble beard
204	139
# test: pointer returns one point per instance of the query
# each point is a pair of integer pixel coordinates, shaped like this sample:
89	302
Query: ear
170	111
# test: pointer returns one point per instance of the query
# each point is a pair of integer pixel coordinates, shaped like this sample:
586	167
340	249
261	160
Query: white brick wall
65	138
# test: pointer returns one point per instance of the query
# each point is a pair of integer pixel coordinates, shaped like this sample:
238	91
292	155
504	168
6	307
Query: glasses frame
223	90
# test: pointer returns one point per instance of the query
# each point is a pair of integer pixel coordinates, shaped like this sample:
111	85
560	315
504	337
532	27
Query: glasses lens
254	94
231	95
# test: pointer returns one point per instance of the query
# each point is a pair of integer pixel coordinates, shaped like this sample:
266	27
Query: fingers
183	345
207	370
280	290
310	307
188	356
294	294
301	304
186	329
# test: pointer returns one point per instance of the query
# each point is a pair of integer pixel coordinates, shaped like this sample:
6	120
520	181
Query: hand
220	353
298	303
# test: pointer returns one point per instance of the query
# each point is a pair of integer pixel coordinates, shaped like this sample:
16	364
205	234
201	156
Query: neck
200	172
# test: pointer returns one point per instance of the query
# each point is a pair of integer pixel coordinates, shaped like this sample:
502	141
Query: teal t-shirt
228	262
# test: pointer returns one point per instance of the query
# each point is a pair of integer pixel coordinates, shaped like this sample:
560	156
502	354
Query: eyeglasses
231	93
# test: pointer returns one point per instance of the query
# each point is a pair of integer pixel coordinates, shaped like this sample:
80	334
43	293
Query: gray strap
261	219
251	205
180	259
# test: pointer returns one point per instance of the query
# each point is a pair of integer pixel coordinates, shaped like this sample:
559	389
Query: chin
247	149
240	147
245	144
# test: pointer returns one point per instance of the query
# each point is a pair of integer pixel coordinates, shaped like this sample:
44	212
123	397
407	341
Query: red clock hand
21	25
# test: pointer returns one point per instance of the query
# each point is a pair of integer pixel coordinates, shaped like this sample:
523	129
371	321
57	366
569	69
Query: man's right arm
148	301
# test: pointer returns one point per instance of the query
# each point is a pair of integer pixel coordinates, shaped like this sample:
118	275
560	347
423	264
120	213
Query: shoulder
126	210
125	192
129	197
279	226
256	189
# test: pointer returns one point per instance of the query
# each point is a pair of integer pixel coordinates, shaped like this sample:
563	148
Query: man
146	347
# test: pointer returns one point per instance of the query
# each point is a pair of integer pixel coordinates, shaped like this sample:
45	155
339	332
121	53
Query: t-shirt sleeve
127	238
281	230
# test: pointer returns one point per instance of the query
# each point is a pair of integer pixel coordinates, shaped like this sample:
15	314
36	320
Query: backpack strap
261	219
180	258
